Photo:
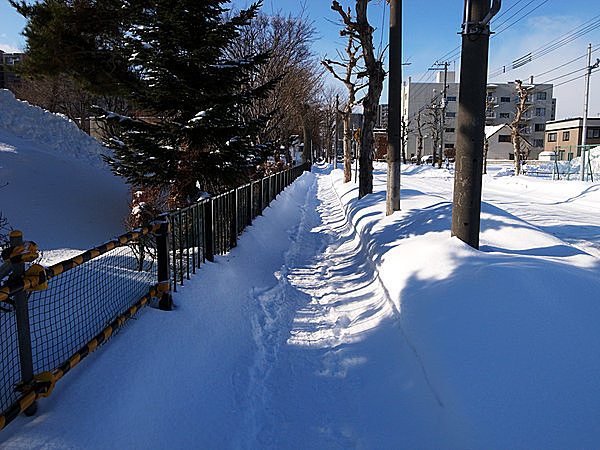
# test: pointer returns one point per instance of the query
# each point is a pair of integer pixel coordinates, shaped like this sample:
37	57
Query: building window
540	126
450	114
566	135
551	137
538	142
451	99
449	130
505	115
540	95
448	145
593	132
505	99
540	112
504	138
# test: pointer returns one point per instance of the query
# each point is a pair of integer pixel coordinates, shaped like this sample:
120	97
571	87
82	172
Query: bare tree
405	131
434	123
516	124
419	138
348	63
374	73
287	39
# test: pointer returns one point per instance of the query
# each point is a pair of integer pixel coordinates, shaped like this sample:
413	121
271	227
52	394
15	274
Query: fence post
207	217
22	318
234	219
250	205
164	265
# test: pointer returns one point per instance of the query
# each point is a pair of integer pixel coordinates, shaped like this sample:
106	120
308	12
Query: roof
491	130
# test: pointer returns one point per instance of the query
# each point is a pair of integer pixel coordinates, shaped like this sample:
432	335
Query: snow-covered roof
490	130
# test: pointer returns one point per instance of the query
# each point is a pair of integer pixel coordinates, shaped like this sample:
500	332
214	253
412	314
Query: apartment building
7	77
541	108
502	100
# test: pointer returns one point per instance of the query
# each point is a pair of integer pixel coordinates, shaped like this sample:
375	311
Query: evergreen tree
168	59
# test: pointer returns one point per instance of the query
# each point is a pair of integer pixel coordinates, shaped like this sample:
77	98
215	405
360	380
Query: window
593	132
505	99
448	145
449	130
505	115
538	142
551	137
450	114
540	112
504	138
540	95
540	126
566	135
451	99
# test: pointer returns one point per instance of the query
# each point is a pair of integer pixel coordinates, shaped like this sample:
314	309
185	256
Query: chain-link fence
51	318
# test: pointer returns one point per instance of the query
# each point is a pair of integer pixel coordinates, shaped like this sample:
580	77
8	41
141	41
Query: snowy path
330	347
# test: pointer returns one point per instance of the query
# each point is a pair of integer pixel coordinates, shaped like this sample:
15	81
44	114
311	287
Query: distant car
427	159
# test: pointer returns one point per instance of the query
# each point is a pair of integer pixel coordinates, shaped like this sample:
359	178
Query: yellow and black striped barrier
28	253
43	383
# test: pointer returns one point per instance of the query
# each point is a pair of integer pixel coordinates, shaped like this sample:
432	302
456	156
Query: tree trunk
376	75
347	148
486	146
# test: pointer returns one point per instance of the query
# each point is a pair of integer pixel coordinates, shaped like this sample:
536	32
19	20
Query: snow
331	325
60	193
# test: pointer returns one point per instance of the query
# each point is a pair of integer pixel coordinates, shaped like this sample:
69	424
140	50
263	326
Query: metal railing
53	317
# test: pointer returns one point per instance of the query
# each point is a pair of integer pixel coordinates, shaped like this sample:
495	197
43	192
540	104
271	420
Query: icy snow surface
60	193
333	326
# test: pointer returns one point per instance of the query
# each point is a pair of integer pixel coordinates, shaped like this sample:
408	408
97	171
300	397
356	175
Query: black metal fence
212	226
51	318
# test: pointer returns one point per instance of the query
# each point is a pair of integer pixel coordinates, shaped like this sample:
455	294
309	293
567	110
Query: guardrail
53	317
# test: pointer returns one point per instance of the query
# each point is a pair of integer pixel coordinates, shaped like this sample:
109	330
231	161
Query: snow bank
55	186
507	335
53	132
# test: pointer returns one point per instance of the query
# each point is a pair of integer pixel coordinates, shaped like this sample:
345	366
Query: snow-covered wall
54	132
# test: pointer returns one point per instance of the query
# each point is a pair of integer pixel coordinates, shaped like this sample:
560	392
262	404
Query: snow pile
54	132
574	166
54	186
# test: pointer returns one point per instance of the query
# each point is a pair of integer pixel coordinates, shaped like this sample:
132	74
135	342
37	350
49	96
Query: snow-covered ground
54	186
333	326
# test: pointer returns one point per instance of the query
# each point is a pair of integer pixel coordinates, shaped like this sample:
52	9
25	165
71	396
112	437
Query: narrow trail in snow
315	331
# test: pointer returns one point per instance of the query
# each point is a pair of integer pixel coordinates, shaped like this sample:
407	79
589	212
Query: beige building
563	136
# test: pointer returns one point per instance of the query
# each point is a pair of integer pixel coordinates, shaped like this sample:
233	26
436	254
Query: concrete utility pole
394	98
590	67
466	208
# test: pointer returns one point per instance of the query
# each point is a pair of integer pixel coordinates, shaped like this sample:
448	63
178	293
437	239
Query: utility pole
466	208
335	139
590	67
394	98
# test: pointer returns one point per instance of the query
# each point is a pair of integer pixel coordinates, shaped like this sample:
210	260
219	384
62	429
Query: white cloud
9	48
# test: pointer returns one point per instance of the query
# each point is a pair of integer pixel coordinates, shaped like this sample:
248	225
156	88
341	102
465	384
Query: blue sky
430	33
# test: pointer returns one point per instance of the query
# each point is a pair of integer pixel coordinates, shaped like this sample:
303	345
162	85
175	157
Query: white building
499	142
502	98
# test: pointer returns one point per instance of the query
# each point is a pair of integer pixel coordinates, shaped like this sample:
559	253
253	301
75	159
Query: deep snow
60	193
333	326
